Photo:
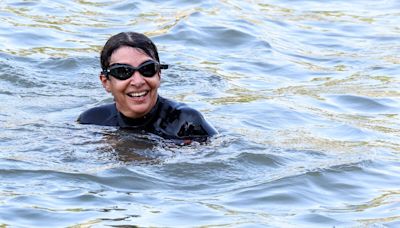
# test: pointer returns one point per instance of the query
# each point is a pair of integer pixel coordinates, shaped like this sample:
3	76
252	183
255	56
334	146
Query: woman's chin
136	110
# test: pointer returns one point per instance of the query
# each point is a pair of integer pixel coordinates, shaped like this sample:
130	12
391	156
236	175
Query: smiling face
137	95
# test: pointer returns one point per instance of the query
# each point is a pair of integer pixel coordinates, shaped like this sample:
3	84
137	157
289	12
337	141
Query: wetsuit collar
124	121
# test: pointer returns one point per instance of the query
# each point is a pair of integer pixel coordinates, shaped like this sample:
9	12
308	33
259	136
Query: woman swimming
131	72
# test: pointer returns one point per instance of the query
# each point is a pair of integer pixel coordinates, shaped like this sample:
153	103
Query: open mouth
138	94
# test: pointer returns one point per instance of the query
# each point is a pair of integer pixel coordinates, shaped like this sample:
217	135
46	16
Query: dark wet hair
131	39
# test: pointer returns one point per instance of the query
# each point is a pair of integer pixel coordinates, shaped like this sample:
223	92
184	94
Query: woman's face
137	95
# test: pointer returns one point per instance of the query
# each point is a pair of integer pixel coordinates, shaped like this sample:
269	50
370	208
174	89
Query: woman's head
136	95
130	39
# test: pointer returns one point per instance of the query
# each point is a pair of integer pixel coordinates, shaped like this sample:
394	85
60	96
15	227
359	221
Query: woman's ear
105	82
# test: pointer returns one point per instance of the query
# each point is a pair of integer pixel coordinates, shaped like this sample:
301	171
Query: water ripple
305	97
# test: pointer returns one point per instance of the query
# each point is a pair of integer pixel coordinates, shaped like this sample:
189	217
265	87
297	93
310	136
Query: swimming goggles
124	71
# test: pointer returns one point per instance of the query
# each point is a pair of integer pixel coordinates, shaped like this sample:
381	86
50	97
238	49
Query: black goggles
125	71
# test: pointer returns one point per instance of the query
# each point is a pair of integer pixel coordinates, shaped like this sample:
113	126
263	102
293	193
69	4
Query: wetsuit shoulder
105	115
184	121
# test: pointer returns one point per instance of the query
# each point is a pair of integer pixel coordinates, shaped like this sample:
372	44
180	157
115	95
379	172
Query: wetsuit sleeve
103	115
194	126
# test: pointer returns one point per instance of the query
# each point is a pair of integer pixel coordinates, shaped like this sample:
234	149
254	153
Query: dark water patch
204	176
385	38
135	148
248	159
131	6
22	3
203	80
5	93
70	65
348	132
46	105
319	219
12	163
366	104
274	196
120	179
317	187
30	73
269	68
32	217
275	116
211	36
202	169
18	77
188	76
31	39
57	80
130	180
383	72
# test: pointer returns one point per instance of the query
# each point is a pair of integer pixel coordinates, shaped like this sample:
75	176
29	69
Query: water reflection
131	146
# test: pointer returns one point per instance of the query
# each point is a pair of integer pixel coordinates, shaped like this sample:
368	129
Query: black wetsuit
168	119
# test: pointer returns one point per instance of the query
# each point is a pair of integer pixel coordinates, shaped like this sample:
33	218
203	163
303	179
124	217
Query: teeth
139	94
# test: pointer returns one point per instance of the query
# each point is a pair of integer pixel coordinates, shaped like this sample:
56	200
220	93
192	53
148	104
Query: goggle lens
125	71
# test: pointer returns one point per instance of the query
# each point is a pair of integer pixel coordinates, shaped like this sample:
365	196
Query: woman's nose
137	79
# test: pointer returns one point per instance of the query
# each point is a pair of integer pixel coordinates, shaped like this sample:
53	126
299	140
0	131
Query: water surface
305	96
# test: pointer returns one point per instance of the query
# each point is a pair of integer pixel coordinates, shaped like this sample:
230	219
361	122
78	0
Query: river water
305	96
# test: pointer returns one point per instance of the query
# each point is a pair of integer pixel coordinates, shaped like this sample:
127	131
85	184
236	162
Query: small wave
220	37
366	104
